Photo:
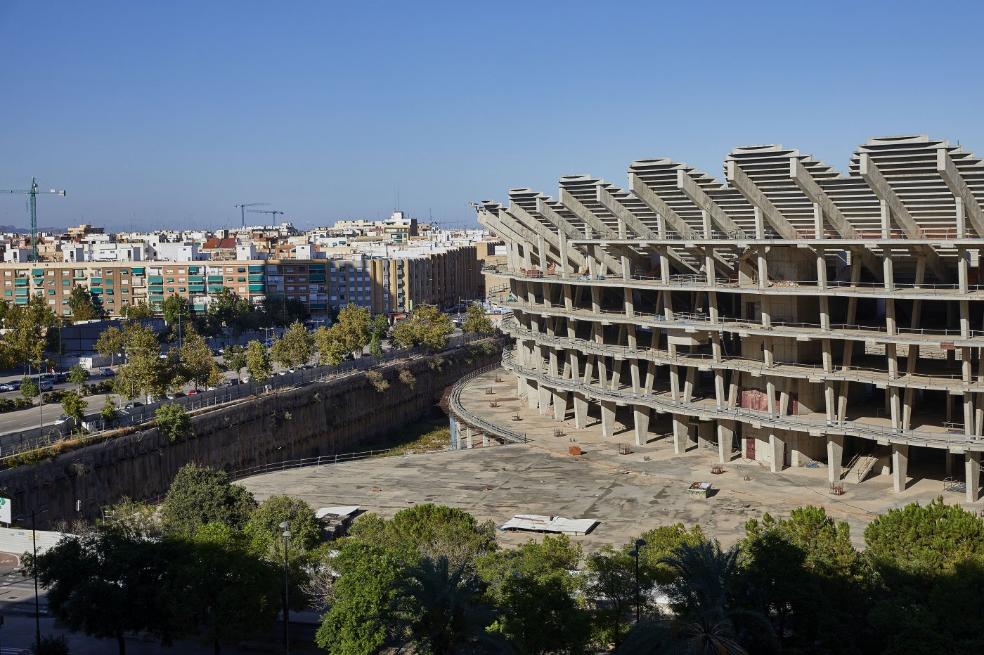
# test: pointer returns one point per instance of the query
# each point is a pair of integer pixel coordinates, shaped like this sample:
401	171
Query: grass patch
429	434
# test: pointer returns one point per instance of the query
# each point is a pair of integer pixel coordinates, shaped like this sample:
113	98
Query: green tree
427	326
295	348
29	390
84	305
536	596
227	309
74	406
200	495
611	588
173	422
133	520
265	534
379	330
661	543
145	371
258	362
354	327
27	329
235	358
280	310
176	309
197	362
362	617
111	342
331	350
78	375
476	322
107	585
109	413
137	311
221	591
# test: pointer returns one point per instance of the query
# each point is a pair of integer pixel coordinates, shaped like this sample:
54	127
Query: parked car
64	419
46	385
193	392
133	404
107	372
8	386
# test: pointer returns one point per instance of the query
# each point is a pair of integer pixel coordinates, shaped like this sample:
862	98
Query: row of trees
228	310
432	579
146	371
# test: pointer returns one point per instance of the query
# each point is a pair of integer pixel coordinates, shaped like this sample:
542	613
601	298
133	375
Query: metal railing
460	412
304	462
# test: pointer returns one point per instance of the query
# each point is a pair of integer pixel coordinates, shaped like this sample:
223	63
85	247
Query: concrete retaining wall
318	419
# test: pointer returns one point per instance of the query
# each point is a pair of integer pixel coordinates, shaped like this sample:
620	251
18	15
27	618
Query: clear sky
166	114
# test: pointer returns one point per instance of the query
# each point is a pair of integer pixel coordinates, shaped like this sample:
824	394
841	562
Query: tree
109	413
265	534
106	585
78	375
476	322
197	362
361	619
379	330
439	605
331	350
200	495
612	589
27	328
221	591
111	342
705	620
235	358
354	326
176	309
228	309
133	520
661	543
173	422
29	390
145	371
258	361
427	326
137	311
84	305
536	596
280	310
74	406
294	348
431	531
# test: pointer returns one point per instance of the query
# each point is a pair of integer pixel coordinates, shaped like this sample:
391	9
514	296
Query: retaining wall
318	419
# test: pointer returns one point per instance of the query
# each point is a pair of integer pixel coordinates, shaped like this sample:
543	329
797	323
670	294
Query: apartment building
791	314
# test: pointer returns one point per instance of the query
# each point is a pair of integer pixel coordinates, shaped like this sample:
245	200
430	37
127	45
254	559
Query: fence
16	442
459	411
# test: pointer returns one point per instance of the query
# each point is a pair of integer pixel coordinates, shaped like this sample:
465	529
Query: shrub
377	380
173	422
407	378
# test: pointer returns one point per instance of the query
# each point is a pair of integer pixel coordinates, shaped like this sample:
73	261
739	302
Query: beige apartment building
791	314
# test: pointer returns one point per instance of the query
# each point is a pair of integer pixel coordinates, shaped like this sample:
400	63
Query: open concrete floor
627	493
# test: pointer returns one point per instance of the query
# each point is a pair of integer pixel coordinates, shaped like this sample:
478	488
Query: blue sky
165	114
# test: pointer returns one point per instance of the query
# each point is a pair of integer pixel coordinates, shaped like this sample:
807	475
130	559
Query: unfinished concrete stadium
792	315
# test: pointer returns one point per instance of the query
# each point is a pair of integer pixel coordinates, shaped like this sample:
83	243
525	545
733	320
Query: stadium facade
790	314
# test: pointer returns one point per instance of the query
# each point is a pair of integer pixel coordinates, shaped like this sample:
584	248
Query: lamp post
283	526
34	570
639	543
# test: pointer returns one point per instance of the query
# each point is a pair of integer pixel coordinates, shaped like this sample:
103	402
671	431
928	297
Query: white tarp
540	523
18	540
341	511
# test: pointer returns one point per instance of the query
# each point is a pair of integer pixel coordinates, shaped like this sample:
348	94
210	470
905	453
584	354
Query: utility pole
32	200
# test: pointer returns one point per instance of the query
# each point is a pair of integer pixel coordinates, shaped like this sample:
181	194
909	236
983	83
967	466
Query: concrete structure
793	314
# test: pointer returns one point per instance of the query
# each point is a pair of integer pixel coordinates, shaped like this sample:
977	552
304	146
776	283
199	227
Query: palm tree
441	609
706	622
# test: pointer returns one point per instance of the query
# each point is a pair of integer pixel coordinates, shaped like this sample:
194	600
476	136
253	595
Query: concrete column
725	436
468	438
681	426
559	405
777	452
607	419
640	414
972	474
543	400
835	458
485	440
580	411
532	395
900	464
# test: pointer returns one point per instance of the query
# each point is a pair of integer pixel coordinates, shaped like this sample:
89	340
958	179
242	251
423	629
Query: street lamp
283	526
34	570
639	543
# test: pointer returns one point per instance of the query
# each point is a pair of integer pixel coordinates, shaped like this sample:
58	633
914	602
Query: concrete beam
512	226
740	180
699	197
958	187
577	208
658	205
561	223
884	191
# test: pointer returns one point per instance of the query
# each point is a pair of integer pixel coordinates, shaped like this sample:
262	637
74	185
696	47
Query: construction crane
273	213
243	205
32	195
